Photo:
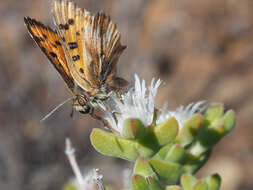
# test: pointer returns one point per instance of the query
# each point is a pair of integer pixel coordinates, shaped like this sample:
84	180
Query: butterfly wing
104	48
92	43
50	43
70	21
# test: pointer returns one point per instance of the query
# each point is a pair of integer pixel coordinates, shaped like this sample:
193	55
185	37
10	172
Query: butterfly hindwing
105	48
50	43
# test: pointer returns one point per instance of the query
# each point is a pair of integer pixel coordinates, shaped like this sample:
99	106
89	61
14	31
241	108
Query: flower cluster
139	102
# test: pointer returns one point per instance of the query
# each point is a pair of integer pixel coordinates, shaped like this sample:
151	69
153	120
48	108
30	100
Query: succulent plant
170	147
167	147
169	150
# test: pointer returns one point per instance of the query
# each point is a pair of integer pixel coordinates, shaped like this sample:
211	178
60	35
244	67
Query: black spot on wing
38	39
58	43
53	54
43	49
81	70
72	45
71	21
33	23
78	33
75	57
66	26
63	26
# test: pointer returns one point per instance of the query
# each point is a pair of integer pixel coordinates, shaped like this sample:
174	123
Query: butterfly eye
81	100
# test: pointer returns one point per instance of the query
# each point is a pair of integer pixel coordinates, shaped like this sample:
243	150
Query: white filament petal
136	103
182	114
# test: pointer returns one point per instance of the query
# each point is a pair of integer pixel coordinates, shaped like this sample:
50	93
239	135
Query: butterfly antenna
55	109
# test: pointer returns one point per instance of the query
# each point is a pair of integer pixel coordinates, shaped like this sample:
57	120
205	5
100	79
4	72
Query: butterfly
84	49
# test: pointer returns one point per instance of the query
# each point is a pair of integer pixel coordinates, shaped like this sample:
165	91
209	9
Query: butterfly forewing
92	45
50	43
70	22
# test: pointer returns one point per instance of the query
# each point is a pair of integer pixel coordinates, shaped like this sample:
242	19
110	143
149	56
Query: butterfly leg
105	123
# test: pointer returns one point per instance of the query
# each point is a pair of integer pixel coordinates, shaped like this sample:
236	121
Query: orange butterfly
84	49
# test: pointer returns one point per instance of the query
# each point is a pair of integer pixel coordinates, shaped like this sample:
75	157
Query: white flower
138	102
91	179
182	114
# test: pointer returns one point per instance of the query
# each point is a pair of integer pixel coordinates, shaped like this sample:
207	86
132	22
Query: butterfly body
84	49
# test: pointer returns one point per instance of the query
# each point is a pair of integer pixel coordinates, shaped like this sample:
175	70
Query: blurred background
201	49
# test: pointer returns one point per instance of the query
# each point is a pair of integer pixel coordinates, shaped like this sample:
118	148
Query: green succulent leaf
108	144
213	182
133	128
188	181
167	131
213	130
175	154
190	130
154	184
201	185
173	187
147	146
229	120
168	171
139	182
111	145
162	153
194	162
214	112
142	167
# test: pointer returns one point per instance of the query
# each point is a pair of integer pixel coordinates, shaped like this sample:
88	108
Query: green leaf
139	183
193	163
175	154
213	182
214	130
229	120
166	170
161	154
201	185
173	187
147	146
190	130
167	131
108	144
214	112
188	181
142	167
133	128
154	184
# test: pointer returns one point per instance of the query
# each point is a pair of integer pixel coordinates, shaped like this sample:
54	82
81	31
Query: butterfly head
81	104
